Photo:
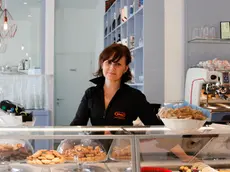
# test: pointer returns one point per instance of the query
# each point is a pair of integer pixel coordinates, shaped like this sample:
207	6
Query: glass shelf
210	41
136	48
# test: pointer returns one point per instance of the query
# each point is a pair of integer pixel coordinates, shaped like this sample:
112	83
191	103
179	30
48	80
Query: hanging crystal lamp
8	27
1	6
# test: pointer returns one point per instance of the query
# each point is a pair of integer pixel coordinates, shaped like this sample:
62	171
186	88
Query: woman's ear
126	68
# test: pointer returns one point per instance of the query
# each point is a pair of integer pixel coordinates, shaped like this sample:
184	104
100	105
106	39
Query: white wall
28	34
78	35
174	50
73	28
99	44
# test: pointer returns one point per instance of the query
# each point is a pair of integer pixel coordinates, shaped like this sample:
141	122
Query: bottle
119	19
4	108
27	64
131	10
119	39
11	112
114	21
106	27
141	2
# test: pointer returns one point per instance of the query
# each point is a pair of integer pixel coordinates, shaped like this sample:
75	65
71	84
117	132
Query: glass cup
205	31
212	32
196	33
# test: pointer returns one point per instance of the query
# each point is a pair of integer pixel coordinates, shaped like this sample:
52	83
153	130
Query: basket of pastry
197	167
183	116
120	150
45	157
82	150
15	150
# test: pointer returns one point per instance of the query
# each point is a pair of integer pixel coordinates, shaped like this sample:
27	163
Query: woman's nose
112	65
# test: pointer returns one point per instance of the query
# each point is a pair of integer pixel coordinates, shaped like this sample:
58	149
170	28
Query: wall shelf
210	41
129	32
136	48
140	33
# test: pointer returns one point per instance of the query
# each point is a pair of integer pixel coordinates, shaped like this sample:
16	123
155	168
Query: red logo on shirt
120	115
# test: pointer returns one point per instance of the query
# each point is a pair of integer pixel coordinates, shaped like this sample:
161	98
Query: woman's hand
107	133
189	158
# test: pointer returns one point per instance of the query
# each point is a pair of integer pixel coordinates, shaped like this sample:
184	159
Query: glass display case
116	149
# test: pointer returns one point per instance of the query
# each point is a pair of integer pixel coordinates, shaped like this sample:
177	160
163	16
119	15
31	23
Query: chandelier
8	27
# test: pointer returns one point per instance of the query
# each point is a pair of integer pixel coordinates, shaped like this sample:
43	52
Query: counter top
117	166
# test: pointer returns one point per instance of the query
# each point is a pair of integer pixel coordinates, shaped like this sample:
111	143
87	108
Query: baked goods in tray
120	150
85	153
197	167
119	153
85	150
13	151
185	112
45	157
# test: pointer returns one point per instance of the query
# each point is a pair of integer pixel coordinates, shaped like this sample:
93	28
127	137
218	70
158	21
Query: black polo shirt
126	105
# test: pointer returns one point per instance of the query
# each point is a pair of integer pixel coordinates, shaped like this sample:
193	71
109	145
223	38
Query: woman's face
113	71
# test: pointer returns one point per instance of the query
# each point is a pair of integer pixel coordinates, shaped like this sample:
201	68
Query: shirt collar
99	81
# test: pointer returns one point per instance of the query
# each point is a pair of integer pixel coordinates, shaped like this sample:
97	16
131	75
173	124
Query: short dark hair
117	51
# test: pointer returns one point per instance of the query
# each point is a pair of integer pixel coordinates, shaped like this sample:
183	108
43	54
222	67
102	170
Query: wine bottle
114	21
119	19
119	39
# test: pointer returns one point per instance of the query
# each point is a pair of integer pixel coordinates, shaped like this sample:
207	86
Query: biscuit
45	157
49	156
56	153
85	153
37	154
46	161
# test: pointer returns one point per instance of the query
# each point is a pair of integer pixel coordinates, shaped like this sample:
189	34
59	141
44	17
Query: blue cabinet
42	119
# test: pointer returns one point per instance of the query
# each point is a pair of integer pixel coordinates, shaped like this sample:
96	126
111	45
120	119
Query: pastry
121	153
185	112
85	153
15	152
45	157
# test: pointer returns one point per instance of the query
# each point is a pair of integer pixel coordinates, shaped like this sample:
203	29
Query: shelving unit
124	23
143	33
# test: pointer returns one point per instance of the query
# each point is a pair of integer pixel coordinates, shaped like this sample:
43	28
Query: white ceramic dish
183	124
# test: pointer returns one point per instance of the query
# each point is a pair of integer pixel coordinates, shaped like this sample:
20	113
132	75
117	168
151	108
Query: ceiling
78	4
20	9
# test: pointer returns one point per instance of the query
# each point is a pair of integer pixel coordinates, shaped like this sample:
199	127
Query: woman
112	102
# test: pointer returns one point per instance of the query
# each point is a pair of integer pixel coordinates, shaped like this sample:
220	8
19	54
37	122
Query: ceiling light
29	15
25	3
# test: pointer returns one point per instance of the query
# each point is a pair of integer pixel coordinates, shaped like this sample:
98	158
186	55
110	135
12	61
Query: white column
100	11
49	36
174	50
47	60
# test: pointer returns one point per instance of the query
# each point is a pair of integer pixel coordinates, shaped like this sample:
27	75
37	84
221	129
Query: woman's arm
82	115
181	154
146	112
